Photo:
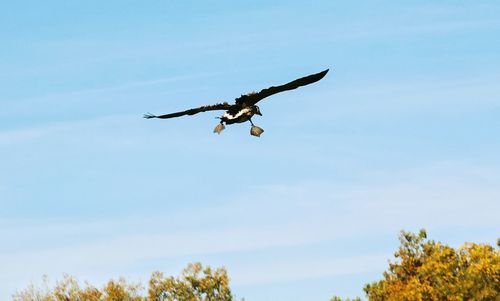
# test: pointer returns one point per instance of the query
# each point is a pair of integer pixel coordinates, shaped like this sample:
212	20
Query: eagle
245	106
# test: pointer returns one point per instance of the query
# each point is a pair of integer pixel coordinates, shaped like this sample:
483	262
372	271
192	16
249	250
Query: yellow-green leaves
196	283
429	270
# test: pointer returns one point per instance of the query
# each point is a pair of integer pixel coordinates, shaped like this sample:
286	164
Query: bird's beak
259	113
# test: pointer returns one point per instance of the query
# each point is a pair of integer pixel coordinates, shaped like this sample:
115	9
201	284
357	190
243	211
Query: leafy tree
429	270
196	283
423	270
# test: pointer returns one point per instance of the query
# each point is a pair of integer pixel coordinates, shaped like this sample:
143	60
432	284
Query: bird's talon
219	128
256	131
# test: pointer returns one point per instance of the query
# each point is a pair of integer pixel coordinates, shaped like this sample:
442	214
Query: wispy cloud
278	270
44	131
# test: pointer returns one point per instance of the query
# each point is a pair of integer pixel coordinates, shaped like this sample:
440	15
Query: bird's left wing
253	98
219	106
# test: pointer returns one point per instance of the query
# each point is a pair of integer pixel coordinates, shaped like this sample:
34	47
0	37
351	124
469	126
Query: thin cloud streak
280	271
90	93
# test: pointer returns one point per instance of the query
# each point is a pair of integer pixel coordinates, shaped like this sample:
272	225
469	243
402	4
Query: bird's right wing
219	106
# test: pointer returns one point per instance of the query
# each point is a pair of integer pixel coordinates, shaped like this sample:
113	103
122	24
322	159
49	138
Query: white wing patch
242	112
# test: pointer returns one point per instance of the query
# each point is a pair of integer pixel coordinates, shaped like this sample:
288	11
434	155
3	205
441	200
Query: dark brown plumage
219	106
245	106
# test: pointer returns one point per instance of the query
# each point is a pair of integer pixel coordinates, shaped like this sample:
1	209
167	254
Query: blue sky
401	134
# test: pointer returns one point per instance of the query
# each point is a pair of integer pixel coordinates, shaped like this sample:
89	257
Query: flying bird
244	107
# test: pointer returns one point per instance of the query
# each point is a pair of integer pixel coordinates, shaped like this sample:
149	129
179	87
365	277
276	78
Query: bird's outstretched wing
253	98
219	106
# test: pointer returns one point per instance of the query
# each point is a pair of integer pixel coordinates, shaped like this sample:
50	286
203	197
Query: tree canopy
429	270
196	283
424	270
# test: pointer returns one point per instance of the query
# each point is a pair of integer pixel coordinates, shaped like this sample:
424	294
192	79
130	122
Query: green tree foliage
429	270
196	283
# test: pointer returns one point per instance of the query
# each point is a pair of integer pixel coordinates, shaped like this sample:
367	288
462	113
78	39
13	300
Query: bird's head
256	110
